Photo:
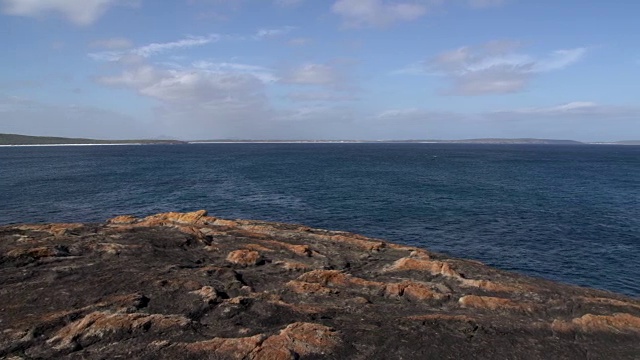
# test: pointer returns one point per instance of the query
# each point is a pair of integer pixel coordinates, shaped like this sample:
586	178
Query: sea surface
567	213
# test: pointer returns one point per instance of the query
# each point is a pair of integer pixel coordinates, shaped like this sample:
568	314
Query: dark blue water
568	213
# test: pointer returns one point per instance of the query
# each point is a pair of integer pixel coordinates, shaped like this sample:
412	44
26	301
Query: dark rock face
191	286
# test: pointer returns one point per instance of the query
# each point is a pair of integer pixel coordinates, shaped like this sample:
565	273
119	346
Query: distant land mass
14	139
17	140
463	141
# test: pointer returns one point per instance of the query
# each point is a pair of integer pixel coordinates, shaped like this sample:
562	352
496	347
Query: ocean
565	213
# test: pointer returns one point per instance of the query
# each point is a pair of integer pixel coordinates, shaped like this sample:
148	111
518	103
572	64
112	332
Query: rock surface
192	286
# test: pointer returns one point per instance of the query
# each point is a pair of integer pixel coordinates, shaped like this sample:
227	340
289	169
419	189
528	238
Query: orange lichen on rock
244	257
420	262
37	252
413	290
258	247
487	285
440	318
53	229
222	222
360	241
613	302
208	293
296	340
123	219
338	278
619	322
99	324
493	303
410	289
302	250
434	267
293	265
307	288
173	217
113	248
232	348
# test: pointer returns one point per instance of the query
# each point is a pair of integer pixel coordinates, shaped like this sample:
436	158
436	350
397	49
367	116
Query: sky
321	69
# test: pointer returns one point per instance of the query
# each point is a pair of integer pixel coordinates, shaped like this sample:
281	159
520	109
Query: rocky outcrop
189	285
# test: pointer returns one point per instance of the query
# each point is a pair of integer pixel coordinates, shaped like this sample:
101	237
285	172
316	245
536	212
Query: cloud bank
79	12
496	67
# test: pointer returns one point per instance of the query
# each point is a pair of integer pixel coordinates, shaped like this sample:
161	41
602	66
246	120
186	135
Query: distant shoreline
42	145
318	142
12	140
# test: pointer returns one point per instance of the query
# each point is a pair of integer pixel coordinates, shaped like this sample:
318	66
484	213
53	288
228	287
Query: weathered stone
619	322
244	257
172	286
306	288
493	303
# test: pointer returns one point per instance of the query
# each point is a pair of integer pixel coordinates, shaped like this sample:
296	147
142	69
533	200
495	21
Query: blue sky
303	69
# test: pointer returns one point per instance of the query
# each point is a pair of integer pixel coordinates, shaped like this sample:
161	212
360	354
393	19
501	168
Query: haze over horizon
303	69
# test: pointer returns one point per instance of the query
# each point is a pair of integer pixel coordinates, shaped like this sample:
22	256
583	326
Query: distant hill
464	141
517	141
628	142
14	139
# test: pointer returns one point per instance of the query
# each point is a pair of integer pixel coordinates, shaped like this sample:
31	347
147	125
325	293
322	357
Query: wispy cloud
80	12
496	67
486	3
382	13
156	48
185	86
575	109
301	96
377	13
262	73
313	74
288	3
299	41
272	32
572	107
191	41
112	43
149	50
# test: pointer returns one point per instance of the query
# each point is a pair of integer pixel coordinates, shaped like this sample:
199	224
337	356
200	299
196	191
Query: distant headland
27	140
15	139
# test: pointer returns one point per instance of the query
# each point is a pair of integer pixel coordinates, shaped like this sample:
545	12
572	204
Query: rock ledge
192	286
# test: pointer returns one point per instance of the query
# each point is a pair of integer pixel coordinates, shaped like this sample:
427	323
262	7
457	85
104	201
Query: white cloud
187	86
578	120
260	72
401	113
191	41
572	107
80	12
155	48
272	32
202	100
300	96
161	47
493	68
288	3
367	13
299	41
112	43
575	109
313	74
560	59
485	3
